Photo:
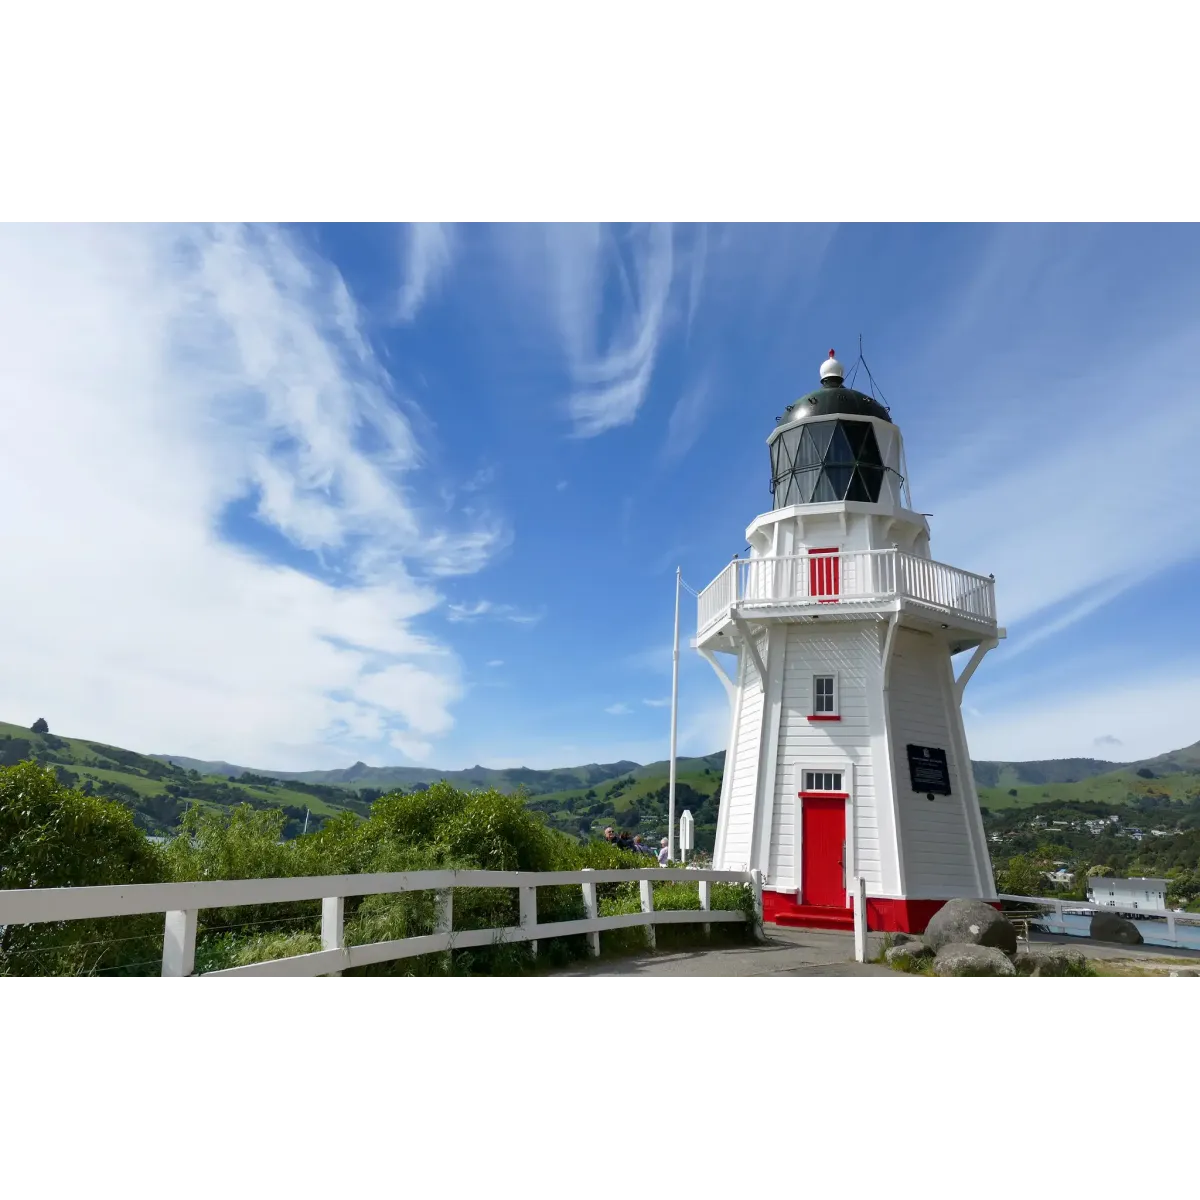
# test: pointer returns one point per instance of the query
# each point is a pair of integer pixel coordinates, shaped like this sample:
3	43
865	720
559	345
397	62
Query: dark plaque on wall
928	770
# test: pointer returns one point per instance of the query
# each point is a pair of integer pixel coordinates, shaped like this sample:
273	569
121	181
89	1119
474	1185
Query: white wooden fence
181	903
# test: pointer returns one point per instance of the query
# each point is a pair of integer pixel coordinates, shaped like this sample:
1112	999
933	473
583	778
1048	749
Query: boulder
970	923
969	958
1108	927
1050	960
900	939
899	956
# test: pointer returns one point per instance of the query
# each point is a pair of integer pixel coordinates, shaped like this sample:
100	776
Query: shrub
52	836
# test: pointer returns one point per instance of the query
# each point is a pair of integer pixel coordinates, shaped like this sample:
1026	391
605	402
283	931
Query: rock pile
965	937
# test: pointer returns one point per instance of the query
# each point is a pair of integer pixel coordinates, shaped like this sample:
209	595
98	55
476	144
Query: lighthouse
835	640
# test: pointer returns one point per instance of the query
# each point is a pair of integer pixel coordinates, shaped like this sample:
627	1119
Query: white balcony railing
857	577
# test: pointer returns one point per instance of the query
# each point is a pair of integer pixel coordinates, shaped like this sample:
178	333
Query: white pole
674	726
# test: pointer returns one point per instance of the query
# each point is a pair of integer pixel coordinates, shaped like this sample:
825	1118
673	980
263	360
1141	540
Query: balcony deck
855	584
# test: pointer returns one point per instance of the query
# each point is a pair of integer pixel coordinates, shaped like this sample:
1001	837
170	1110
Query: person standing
662	854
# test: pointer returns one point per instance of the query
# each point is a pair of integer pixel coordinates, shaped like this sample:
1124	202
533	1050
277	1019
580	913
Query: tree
1021	876
40	726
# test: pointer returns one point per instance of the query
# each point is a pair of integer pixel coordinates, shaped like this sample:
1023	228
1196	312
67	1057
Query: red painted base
780	908
883	916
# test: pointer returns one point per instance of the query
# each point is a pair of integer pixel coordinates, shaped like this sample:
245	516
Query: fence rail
1053	910
181	904
858	576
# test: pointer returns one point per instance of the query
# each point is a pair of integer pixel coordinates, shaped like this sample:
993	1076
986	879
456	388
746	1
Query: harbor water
1153	930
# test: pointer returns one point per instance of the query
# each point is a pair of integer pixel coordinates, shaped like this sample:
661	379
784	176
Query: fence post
179	943
860	919
647	887
756	884
1171	929
443	921
1059	918
528	896
333	917
706	902
591	910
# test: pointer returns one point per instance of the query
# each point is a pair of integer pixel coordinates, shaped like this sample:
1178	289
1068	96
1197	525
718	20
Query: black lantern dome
817	458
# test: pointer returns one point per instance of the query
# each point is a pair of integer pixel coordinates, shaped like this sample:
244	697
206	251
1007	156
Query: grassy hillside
579	800
160	792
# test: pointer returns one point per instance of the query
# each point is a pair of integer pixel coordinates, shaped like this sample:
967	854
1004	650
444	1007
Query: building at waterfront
1128	895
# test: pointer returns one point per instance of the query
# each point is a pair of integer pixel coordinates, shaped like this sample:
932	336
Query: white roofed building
1129	895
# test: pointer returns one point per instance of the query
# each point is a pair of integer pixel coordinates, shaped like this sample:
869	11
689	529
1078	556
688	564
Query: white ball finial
831	369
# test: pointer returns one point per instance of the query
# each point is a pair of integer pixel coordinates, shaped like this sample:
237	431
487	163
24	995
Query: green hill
580	799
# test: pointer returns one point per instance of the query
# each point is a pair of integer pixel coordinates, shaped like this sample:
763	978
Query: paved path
814	952
785	952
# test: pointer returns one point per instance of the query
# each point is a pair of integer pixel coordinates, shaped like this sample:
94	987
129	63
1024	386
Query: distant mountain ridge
506	779
359	776
536	782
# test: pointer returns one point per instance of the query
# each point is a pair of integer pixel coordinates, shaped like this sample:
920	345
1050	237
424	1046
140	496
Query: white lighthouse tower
847	757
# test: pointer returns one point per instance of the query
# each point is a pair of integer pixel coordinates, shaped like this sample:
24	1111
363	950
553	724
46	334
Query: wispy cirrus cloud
657	703
429	253
687	418
618	710
211	368
604	292
488	610
1065	448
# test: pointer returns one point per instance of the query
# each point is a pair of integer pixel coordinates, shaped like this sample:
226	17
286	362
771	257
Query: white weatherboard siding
739	819
850	652
934	833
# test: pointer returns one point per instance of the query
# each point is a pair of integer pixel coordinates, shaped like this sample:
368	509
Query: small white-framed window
823	781
825	695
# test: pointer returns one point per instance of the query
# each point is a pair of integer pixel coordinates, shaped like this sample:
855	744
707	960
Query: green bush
55	836
52	836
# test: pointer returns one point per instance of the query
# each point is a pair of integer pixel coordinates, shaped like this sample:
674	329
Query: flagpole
674	726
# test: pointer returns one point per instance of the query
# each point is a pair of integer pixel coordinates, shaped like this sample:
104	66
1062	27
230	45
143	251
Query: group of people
623	841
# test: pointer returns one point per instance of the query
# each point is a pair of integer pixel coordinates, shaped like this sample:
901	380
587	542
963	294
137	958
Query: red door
823	849
824	575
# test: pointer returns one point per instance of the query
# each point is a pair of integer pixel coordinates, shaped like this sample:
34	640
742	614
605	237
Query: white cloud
487	609
561	486
496	662
618	710
1154	715
658	703
430	253
149	378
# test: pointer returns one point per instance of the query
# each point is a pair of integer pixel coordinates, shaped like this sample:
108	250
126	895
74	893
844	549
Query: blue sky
296	496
